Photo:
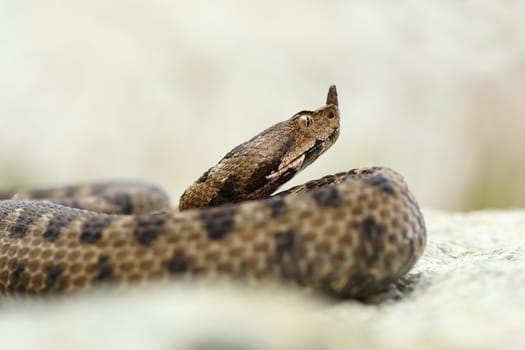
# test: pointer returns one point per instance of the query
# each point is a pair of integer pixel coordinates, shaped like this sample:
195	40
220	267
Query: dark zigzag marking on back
218	221
277	205
226	193
326	196
94	226
259	176
32	211
22	223
381	182
122	200
149	226
25	219
58	221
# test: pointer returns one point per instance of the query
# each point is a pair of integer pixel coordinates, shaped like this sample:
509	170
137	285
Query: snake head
257	167
312	132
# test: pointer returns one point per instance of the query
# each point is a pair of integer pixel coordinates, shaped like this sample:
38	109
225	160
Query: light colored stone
467	292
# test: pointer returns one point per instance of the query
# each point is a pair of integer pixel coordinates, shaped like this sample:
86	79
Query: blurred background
161	90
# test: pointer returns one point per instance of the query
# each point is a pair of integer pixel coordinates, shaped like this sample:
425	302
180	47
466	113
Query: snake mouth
287	170
319	147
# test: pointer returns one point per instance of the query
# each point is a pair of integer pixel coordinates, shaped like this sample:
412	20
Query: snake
349	235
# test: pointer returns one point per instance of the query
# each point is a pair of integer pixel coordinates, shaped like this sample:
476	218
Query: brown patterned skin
349	234
256	168
104	197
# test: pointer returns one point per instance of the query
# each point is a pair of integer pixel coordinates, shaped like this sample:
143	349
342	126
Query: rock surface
467	292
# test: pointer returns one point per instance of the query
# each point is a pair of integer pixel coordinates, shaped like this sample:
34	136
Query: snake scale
350	234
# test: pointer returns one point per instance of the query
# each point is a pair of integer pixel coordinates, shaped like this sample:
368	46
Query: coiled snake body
348	234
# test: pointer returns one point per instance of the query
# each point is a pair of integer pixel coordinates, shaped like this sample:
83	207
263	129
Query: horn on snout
331	98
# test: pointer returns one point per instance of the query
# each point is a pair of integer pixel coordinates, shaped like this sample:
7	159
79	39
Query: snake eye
305	121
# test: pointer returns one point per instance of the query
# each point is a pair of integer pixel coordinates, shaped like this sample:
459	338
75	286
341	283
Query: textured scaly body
349	234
